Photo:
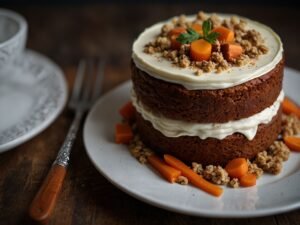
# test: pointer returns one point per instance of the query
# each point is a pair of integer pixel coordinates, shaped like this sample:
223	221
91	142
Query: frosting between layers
163	69
175	128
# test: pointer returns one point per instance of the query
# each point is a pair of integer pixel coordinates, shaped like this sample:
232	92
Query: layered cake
207	88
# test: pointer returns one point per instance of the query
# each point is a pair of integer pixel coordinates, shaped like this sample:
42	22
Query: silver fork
87	89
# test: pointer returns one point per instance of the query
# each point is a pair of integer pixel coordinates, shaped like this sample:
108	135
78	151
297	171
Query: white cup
13	36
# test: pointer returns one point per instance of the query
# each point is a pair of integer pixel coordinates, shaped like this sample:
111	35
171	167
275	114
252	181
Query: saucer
33	92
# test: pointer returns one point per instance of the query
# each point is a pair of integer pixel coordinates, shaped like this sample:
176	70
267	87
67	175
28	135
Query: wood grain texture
67	33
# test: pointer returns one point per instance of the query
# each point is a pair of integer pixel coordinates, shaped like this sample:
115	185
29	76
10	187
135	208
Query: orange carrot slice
248	180
193	177
231	51
197	27
237	167
173	35
127	111
177	30
123	133
289	107
168	172
292	142
200	50
226	35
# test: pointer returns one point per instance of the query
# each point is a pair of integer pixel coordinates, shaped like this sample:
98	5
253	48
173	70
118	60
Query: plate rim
47	122
161	204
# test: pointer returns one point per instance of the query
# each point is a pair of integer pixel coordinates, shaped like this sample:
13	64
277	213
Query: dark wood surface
68	33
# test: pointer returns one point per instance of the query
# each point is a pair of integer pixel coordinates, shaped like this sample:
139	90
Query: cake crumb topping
271	160
166	44
254	169
290	125
234	183
139	150
182	180
216	174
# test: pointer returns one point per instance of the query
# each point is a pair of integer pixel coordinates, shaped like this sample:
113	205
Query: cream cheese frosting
175	128
163	69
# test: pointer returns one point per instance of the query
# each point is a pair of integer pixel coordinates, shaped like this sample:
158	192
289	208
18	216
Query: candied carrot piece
123	133
248	180
237	167
127	111
226	35
200	50
168	172
289	107
292	142
193	177
231	51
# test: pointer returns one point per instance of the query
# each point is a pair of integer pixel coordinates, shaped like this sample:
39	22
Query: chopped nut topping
280	150
234	183
182	180
216	174
254	169
290	125
197	168
250	40
139	150
268	163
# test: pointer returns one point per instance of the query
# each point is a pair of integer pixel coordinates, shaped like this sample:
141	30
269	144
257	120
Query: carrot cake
207	88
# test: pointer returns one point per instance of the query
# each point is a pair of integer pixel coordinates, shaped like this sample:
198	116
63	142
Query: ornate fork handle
63	155
44	202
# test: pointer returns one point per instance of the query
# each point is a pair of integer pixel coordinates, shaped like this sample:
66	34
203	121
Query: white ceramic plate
272	194
32	94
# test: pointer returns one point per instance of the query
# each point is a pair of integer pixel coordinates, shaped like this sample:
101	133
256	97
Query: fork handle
44	202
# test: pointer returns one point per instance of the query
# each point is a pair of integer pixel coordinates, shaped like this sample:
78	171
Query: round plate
32	94
272	194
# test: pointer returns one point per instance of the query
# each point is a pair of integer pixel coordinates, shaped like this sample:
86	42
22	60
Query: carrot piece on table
127	111
193	177
168	172
289	107
173	35
200	50
197	27
292	142
231	51
123	133
248	180
225	34
237	167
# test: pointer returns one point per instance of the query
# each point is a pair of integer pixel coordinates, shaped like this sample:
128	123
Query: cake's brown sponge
205	106
210	150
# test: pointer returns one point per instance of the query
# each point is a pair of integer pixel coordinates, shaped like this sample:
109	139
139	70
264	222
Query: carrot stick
248	180
123	133
237	167
194	178
226	35
165	170
292	142
173	35
289	107
231	51
127	111
200	50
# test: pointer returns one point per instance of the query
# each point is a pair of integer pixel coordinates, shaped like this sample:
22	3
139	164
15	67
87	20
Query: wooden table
68	33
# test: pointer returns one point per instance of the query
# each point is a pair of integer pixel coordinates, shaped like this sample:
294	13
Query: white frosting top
175	128
162	68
